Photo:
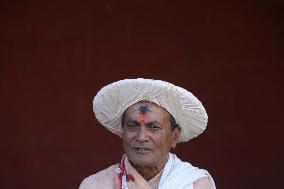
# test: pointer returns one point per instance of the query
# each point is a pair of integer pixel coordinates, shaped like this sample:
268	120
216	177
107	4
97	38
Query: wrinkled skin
148	137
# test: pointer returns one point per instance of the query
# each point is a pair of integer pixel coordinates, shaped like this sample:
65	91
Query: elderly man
151	117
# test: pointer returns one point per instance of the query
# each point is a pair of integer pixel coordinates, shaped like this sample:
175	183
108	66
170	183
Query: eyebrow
154	122
131	121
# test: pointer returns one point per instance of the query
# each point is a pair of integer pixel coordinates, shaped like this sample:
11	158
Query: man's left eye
153	126
132	125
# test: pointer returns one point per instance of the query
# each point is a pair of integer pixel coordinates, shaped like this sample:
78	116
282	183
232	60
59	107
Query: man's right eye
132	125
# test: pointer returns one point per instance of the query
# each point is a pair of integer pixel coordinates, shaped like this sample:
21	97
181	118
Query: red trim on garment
124	172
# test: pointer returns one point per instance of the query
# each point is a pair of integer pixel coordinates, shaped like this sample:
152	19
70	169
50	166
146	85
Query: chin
140	160
143	162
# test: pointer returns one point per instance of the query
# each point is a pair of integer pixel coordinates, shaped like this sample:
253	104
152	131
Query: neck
149	172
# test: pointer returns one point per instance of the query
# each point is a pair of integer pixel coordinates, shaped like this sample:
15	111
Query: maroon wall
55	56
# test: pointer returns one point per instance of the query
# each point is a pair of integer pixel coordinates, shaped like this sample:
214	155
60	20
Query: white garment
176	175
181	175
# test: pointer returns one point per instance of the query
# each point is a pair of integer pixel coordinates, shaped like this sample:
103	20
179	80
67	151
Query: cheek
158	141
164	143
126	143
128	137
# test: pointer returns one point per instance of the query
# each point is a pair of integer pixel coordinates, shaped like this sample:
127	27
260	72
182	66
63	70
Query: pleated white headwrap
112	100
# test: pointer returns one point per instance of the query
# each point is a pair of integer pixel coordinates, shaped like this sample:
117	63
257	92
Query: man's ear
176	134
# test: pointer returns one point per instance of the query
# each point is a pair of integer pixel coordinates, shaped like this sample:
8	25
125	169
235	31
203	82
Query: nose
142	135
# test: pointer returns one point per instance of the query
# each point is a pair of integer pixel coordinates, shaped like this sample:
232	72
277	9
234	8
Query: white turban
112	101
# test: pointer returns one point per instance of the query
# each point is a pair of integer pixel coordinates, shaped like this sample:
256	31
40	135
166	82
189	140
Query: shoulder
203	183
191	175
100	180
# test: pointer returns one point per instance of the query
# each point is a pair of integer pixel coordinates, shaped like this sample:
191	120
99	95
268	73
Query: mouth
140	150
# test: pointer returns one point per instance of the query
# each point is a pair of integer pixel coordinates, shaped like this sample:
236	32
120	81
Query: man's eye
131	126
154	127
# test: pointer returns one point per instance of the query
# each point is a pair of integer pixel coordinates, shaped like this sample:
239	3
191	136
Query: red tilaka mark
141	118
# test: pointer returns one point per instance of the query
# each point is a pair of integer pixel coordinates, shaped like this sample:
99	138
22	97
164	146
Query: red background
55	56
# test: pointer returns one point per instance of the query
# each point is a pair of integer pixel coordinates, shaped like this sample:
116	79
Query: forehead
147	108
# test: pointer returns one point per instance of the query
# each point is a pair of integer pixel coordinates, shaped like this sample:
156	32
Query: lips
141	150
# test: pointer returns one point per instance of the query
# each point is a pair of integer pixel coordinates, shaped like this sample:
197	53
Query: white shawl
176	175
181	175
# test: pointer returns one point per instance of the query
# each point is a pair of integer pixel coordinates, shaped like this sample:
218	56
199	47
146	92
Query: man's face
147	135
